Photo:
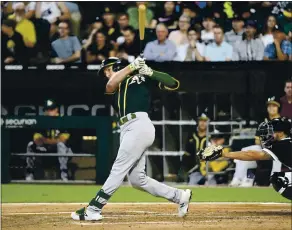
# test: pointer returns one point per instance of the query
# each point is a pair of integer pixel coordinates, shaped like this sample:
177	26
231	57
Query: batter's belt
128	117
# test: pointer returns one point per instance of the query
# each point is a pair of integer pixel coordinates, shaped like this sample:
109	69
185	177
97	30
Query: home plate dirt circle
150	216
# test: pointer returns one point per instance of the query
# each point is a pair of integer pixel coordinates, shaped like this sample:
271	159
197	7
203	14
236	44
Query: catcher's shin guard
282	183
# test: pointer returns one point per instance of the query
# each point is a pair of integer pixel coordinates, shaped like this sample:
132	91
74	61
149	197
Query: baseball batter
130	91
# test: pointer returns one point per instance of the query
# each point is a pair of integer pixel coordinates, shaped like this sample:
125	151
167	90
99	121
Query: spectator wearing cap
207	34
23	26
53	12
269	27
219	50
168	16
197	140
286	101
180	37
235	35
66	49
99	49
161	49
194	50
131	47
280	49
134	15
109	24
12	44
250	48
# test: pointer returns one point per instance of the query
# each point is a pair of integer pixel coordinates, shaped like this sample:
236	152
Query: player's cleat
29	177
247	182
184	202
235	182
85	214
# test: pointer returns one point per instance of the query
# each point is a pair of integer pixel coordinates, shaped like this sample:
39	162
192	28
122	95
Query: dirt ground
150	216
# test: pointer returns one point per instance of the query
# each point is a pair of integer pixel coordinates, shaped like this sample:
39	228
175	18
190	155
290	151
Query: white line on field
150	203
143	222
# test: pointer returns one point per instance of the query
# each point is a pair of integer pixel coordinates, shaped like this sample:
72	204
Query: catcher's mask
266	134
112	61
266	130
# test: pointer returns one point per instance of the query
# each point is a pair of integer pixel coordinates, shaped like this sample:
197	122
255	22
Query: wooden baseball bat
142	21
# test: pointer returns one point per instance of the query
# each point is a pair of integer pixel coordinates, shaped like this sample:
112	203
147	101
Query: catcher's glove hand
210	153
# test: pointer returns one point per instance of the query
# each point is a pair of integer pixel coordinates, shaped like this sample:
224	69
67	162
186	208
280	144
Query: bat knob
141	55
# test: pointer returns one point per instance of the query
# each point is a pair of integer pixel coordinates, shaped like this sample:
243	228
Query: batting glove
138	63
146	70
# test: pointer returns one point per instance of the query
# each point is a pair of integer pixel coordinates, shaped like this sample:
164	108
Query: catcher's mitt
210	153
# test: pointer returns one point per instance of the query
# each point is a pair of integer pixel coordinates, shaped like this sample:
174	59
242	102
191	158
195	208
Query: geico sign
19	122
31	110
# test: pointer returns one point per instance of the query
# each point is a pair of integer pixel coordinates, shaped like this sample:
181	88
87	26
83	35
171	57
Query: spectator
131	47
23	26
161	49
280	49
123	21
53	12
286	101
168	16
109	24
269	27
251	48
66	49
235	35
192	10
219	50
193	51
134	16
75	17
180	37
207	34
99	49
13	46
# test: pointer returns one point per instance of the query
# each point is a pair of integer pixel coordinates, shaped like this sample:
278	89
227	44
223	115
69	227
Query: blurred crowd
88	32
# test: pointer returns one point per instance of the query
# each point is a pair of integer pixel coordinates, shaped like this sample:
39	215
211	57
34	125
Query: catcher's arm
250	155
214	152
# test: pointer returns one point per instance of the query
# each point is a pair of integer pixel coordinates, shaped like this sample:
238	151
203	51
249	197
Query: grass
26	193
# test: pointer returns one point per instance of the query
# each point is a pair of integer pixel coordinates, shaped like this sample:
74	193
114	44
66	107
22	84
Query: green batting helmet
112	61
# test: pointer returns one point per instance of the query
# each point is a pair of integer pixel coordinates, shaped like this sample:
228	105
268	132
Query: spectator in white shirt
207	35
180	37
193	51
53	12
219	50
161	49
267	34
235	35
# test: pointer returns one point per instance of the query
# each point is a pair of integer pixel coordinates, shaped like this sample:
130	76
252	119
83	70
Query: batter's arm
119	76
250	155
165	80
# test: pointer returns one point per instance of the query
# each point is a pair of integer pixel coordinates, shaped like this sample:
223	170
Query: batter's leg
138	179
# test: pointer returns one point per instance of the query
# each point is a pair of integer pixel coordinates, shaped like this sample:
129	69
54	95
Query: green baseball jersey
134	94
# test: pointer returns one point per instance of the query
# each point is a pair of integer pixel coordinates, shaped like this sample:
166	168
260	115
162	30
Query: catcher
275	137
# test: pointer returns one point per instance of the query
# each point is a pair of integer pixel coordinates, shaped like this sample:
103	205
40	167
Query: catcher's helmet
267	129
112	61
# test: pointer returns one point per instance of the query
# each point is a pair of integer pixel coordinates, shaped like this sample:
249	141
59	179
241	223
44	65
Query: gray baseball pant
136	136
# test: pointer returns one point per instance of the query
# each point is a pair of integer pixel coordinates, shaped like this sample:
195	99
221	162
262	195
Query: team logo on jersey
137	79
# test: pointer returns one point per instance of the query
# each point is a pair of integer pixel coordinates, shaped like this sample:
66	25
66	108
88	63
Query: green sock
100	199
